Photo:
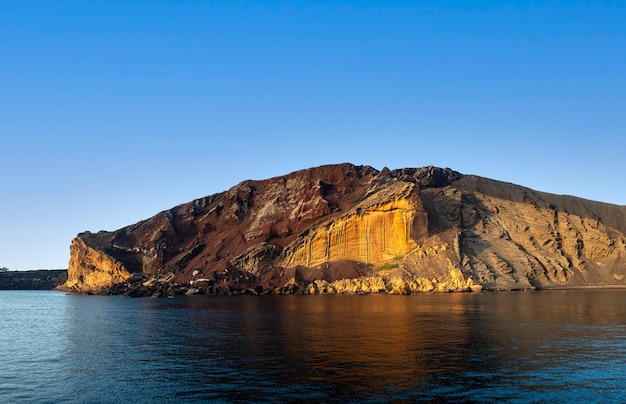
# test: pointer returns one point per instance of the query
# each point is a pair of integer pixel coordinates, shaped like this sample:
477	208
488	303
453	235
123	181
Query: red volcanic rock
407	230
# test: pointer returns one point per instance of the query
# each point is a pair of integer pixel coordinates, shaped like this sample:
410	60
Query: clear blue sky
111	111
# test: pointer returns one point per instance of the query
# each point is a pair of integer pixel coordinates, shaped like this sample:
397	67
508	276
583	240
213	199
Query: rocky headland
354	229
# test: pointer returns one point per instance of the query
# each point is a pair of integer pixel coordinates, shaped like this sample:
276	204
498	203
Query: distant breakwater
32	280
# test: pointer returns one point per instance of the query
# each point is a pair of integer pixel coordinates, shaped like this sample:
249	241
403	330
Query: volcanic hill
354	229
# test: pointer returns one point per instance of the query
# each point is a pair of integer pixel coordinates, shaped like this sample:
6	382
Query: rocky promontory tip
353	229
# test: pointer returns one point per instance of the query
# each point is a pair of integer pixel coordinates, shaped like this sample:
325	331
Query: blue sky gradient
115	110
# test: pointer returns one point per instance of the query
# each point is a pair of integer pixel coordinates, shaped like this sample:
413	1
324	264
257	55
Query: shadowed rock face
354	229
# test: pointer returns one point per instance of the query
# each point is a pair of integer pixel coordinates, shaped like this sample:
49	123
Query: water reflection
483	347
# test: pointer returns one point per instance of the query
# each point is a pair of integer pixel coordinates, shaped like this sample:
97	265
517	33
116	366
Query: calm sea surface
548	346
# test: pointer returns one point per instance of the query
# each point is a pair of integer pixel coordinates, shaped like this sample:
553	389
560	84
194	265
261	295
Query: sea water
545	346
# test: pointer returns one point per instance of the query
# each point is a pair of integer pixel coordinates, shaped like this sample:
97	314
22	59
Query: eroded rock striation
354	229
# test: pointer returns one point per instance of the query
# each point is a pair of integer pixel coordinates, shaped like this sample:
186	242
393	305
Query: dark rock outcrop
354	229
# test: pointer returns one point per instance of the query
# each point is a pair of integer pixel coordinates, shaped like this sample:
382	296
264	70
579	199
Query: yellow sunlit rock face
377	234
92	270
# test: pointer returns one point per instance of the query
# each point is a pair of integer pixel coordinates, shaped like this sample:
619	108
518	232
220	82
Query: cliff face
91	269
509	237
353	229
385	225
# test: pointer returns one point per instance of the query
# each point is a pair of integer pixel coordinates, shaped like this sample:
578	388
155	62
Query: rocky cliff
354	229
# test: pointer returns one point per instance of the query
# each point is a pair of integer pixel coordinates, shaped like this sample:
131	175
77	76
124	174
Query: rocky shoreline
162	286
